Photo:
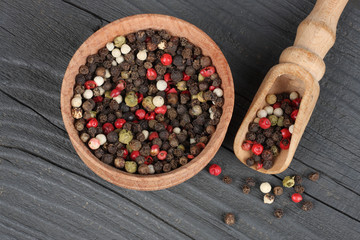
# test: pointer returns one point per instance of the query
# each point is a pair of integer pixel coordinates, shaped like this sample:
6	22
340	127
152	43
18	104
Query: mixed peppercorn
148	102
271	130
270	193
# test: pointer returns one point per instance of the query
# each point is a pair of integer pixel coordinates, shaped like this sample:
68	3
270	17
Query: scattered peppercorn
307	206
278	213
229	219
246	189
250	182
314	176
299	189
278	190
289	181
227	179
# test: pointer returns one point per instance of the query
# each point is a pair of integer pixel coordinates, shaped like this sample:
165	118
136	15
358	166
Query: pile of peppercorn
148	102
271	130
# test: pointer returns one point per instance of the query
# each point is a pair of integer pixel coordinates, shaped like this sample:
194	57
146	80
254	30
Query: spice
130	166
299	189
94	143
250	181
269	198
278	213
289	181
147	82
278	190
314	176
307	206
271	99
298	179
229	219
227	179
296	197
215	170
264	123
265	187
246	189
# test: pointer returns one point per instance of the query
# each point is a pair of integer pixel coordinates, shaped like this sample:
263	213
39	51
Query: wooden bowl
176	27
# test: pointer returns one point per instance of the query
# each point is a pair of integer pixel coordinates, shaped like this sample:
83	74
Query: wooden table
46	191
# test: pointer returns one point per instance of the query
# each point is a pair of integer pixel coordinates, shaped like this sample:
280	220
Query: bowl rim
155	181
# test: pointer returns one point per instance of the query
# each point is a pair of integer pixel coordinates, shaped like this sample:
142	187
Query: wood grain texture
46	192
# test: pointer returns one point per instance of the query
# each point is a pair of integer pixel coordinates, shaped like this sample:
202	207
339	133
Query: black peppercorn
107	158
250	136
267	155
250	161
227	179
307	206
278	213
229	219
298	179
314	176
253	127
267	164
250	182
246	189
299	189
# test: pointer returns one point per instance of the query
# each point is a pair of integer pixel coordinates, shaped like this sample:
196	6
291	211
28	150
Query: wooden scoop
301	67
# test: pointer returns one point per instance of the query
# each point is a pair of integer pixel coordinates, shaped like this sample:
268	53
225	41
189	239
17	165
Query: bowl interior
176	27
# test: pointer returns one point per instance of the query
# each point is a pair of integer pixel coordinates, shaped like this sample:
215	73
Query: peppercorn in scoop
271	130
147	102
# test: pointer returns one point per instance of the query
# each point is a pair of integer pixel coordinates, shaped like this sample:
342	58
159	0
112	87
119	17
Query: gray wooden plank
62	185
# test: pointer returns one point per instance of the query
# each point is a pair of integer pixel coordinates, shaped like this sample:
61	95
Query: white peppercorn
102	138
269	198
261	113
99	80
269	110
116	52
110	46
118	99
158	101
291	129
161	85
219	92
114	63
293	95
265	187
76	102
278	112
120	59
142	55
146	133
101	90
107	73
125	49
176	130
88	94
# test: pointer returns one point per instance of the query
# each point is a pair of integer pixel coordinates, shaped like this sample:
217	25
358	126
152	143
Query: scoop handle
315	36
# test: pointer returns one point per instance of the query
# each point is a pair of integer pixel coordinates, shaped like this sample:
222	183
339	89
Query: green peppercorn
131	99
93	114
181	147
130	166
280	121
125	136
275	150
125	74
273	119
200	97
147	103
289	181
196	110
119	41
108	94
201	77
181	85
